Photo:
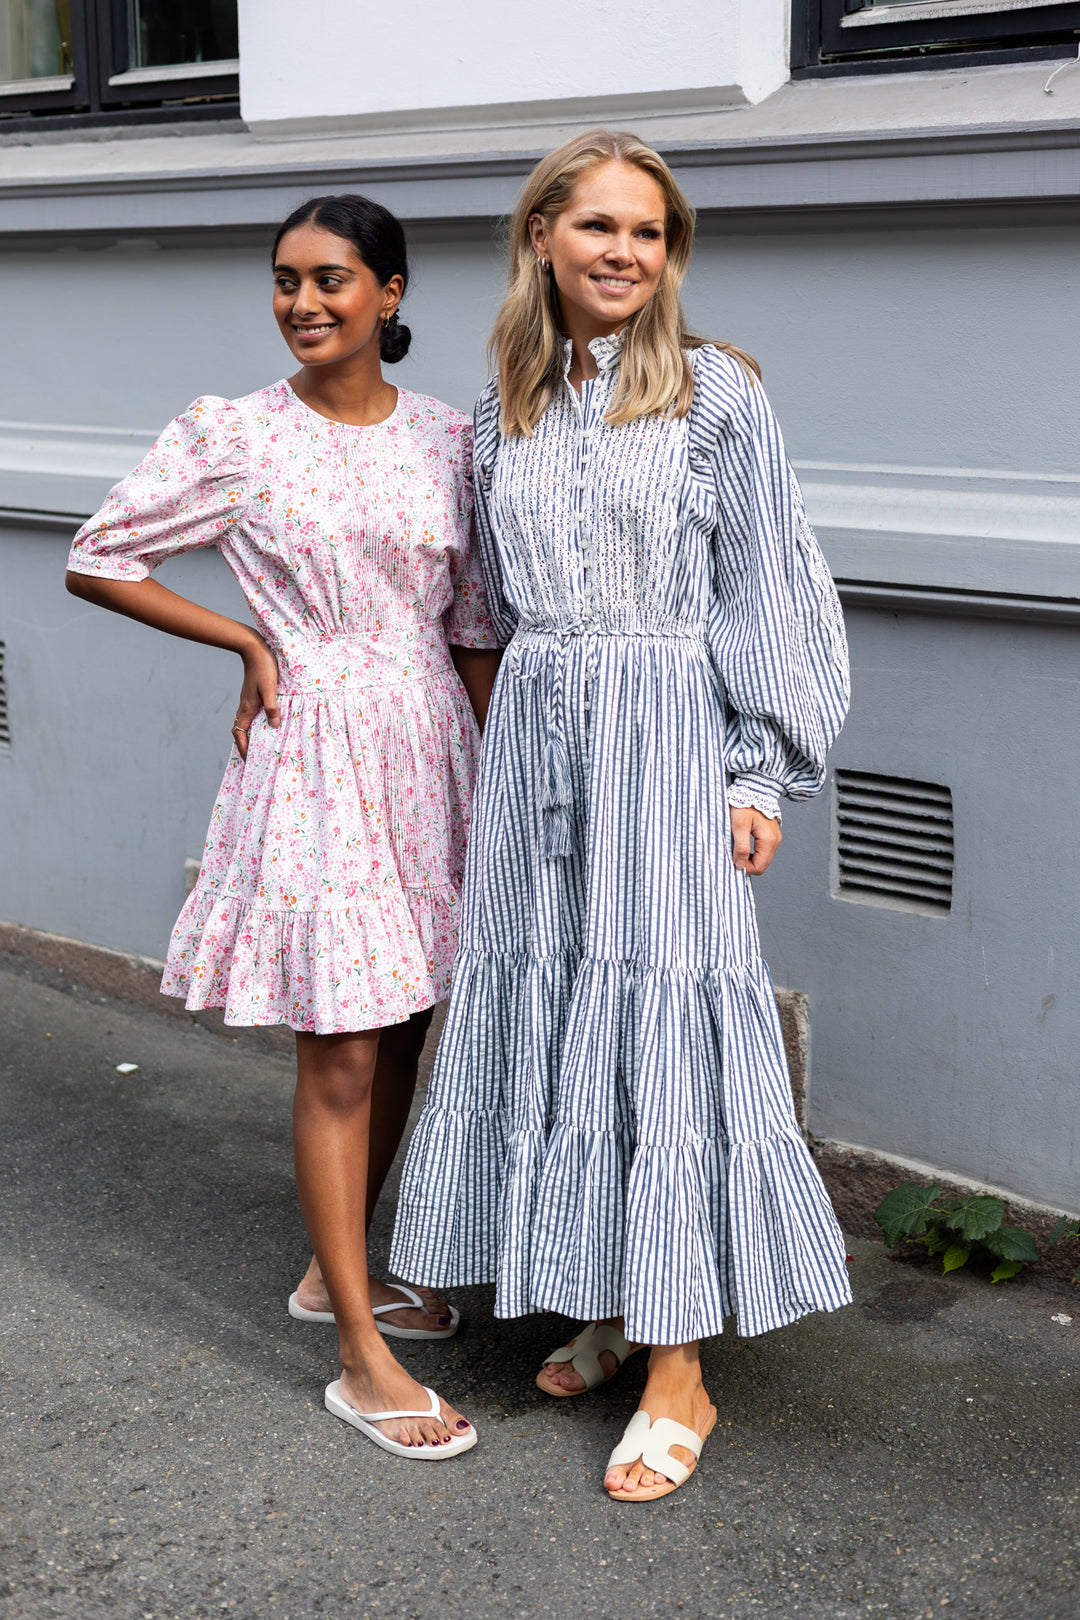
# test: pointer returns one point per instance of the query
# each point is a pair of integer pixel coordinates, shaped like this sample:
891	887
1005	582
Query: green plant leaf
973	1218
1012	1243
1062	1229
955	1256
1006	1269
905	1212
937	1239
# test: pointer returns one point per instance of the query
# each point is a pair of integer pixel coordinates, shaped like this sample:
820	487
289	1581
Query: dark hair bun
394	341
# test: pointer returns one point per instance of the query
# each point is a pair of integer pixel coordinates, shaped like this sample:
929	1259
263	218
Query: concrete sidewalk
165	1453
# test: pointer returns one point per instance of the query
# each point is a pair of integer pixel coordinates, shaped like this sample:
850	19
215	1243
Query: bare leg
566	1374
392	1092
673	1390
331	1121
393	1086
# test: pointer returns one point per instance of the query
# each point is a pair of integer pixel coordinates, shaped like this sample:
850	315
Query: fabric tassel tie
556	801
557	791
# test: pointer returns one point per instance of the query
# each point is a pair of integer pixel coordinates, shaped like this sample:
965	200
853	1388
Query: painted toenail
463	1423
444	1321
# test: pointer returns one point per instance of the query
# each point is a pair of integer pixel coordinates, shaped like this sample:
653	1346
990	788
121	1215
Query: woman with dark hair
329	889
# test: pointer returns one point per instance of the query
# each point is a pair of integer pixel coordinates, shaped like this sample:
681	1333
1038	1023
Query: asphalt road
164	1453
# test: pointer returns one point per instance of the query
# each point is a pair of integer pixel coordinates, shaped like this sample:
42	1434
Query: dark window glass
162	33
868	36
65	63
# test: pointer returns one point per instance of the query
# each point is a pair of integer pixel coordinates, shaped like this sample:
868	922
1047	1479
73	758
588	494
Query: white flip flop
412	1301
584	1356
303	1315
412	1298
365	1421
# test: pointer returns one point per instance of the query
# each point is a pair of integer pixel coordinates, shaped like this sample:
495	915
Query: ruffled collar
604	350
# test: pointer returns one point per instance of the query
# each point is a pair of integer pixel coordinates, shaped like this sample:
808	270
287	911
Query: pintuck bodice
596	531
332	530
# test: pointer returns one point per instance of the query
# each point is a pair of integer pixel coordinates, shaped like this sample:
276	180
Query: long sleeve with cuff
775	625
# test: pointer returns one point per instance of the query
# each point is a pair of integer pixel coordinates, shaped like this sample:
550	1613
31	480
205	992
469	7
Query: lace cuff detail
746	794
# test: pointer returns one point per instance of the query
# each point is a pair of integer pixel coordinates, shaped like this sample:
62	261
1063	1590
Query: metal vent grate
5	728
894	842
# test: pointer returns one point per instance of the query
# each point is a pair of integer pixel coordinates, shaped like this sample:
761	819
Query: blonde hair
527	342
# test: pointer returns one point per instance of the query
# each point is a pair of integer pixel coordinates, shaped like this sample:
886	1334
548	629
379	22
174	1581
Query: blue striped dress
609	1127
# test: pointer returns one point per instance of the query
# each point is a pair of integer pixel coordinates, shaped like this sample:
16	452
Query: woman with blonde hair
609	1131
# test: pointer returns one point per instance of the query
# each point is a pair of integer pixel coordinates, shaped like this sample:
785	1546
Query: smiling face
327	302
607	248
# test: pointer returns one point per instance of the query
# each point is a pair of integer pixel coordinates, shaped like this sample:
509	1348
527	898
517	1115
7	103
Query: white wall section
423	64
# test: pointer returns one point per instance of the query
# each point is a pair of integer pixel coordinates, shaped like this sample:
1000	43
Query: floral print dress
329	891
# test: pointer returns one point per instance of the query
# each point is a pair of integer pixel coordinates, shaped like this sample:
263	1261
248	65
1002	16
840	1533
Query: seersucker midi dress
329	892
609	1127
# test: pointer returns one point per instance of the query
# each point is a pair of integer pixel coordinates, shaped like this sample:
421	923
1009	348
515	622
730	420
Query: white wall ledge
950	137
484	120
950	529
937	528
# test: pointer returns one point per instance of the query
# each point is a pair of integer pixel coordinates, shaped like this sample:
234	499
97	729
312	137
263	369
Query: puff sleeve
776	629
184	494
485	451
468	621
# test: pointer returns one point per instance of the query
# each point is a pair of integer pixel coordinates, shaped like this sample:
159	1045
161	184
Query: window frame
821	46
102	93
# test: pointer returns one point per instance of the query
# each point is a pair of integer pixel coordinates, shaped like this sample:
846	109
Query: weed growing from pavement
957	1228
1064	1231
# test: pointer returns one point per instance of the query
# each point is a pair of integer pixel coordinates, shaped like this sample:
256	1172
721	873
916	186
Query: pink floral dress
329	892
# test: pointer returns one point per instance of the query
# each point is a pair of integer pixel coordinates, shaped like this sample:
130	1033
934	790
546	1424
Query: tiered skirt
609	1127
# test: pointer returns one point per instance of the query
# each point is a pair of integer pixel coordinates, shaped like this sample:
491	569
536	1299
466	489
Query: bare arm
155	605
477	668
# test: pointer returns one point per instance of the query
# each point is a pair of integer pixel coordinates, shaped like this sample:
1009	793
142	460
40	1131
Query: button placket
590	406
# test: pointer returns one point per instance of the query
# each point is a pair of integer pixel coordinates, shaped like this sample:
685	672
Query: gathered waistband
660	626
325	664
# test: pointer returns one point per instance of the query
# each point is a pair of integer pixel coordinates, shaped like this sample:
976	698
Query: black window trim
102	94
821	46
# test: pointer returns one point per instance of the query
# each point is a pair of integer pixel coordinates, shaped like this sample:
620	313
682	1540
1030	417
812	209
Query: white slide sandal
652	1442
411	1301
365	1421
584	1356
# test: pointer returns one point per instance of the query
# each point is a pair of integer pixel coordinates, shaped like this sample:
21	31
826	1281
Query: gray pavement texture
165	1452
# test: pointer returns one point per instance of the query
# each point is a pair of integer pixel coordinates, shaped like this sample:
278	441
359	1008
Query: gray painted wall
906	345
934	346
950	1040
119	741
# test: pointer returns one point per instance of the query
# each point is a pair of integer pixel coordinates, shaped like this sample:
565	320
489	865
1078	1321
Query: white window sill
877	15
175	71
41	87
